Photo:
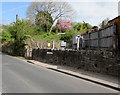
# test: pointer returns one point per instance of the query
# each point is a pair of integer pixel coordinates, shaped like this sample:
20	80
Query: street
18	76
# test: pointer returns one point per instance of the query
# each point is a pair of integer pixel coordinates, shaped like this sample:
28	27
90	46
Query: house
117	22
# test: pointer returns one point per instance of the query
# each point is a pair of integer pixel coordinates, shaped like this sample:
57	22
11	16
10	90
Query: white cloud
119	8
95	12
90	11
61	0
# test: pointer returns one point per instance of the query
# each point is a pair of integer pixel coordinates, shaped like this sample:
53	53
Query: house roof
114	19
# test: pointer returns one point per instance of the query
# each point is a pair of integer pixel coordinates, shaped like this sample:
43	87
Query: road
18	76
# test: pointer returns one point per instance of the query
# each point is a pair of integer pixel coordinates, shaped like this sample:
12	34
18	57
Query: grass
47	36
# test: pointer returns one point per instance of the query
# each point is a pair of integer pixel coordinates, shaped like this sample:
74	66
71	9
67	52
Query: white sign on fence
63	44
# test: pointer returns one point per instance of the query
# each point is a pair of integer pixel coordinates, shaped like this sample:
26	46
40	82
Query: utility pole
16	26
16	17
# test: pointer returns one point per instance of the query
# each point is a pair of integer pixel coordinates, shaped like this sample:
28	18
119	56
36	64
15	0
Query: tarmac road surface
18	76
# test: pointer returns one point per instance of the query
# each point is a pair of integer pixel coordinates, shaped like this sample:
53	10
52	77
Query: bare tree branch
56	9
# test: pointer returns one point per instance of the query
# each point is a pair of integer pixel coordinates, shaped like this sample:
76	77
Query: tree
5	35
87	26
68	35
20	31
64	25
55	29
43	20
77	26
81	26
55	9
104	23
95	28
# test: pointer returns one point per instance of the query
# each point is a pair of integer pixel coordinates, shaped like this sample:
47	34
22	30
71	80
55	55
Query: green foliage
77	26
17	32
20	29
5	35
54	36
44	20
47	36
81	27
18	48
55	29
68	35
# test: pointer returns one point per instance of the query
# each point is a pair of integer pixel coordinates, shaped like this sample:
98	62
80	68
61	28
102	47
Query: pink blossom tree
64	24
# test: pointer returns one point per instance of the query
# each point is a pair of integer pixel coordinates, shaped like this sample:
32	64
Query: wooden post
99	40
115	37
89	40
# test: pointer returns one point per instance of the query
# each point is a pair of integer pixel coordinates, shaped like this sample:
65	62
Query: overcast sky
95	12
91	11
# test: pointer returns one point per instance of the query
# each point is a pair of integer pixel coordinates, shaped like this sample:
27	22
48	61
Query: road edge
81	76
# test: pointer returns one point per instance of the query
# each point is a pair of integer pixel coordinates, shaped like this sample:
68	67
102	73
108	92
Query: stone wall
96	61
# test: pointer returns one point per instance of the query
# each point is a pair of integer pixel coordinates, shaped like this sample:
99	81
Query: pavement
106	80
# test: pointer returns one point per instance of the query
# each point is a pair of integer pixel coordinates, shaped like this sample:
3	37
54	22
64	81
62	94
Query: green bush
5	36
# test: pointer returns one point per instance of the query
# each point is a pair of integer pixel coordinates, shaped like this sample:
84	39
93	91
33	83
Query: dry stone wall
96	61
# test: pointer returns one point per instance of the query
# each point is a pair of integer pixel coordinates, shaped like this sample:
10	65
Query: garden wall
106	62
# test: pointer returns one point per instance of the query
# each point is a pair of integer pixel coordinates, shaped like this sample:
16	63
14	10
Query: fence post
99	40
89	39
115	37
53	43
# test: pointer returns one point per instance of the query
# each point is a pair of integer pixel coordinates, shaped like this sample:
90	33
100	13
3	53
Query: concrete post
53	45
